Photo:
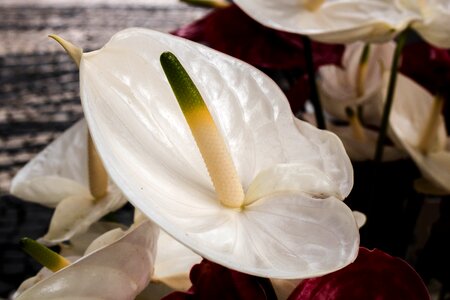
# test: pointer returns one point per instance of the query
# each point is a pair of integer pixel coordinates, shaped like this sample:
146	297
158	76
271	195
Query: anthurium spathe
58	177
291	223
434	24
358	82
417	122
120	270
332	21
352	96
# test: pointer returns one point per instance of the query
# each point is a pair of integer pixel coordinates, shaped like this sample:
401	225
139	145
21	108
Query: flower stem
389	97
314	94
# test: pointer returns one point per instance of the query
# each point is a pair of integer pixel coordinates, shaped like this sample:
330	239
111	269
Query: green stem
312	83
389	97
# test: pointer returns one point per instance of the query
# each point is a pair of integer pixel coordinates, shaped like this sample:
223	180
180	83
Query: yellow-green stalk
209	140
43	255
361	74
355	124
98	178
429	133
313	5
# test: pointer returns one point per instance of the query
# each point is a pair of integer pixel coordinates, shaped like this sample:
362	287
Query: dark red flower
427	65
213	281
374	275
230	30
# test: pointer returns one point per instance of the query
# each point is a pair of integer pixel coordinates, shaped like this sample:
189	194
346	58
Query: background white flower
119	271
58	177
334	21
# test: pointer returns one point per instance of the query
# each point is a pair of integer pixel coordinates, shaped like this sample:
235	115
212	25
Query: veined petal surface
336	21
59	171
118	271
76	213
150	153
409	116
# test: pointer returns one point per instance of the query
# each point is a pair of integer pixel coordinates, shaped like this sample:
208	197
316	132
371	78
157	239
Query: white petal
148	150
360	218
435	26
76	213
435	166
285	178
105	239
335	162
278	223
59	171
409	115
364	150
174	262
336	21
81	241
119	271
338	86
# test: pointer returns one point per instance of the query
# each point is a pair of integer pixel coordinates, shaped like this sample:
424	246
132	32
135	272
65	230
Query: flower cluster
227	184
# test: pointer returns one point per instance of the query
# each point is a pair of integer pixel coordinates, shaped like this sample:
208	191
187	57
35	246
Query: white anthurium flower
358	83
416	120
352	95
290	225
120	270
58	177
434	24
333	21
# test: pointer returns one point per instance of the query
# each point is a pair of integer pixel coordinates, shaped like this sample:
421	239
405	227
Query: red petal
374	275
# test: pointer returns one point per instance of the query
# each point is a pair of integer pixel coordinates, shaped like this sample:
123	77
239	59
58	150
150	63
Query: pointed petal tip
74	52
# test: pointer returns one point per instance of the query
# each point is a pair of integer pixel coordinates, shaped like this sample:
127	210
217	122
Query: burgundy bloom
427	65
231	31
213	281
373	275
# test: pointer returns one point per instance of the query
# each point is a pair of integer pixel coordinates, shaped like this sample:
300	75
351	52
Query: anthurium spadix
58	177
290	223
120	270
417	122
332	21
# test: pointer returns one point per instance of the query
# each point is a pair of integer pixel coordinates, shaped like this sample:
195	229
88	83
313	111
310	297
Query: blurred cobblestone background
39	94
39	82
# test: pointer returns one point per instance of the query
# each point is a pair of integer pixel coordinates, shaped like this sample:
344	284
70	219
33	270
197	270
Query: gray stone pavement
39	94
39	83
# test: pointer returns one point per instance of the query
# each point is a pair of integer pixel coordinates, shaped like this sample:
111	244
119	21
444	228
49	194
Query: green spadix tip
43	255
74	52
183	87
